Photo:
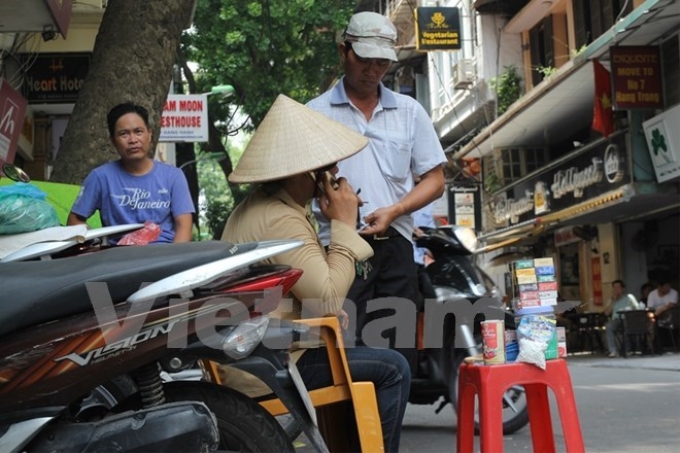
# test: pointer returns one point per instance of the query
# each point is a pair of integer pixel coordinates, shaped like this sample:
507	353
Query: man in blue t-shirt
135	188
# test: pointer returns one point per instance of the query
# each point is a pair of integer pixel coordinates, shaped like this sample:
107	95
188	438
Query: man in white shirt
662	299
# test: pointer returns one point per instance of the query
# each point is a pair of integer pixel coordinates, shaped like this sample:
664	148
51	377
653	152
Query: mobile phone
320	181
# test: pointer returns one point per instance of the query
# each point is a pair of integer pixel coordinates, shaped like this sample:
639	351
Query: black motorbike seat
34	292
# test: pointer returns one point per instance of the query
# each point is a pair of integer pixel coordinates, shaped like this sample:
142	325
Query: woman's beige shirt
327	275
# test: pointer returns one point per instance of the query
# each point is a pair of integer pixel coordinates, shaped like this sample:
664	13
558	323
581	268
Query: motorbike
469	297
72	327
272	363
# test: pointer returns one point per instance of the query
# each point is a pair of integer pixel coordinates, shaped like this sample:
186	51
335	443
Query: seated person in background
661	300
135	188
619	302
645	289
290	155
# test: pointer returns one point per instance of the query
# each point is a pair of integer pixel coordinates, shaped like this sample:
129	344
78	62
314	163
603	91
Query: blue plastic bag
23	209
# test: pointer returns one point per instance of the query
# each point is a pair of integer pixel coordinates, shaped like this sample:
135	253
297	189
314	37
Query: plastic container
493	341
511	346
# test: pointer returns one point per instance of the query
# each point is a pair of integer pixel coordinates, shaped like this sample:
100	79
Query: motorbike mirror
15	173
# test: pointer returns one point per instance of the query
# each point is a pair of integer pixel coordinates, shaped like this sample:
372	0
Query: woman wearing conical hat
288	157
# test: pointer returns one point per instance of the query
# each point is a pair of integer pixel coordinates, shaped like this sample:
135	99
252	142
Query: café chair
637	328
670	328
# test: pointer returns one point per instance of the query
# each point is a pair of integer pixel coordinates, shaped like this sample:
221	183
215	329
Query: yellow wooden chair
344	389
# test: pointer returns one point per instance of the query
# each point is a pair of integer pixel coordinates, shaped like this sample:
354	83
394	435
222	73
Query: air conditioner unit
463	74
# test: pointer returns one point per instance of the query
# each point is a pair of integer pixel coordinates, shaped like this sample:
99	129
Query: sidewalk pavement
668	361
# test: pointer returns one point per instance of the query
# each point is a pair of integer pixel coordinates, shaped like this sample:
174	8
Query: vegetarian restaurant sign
437	28
636	77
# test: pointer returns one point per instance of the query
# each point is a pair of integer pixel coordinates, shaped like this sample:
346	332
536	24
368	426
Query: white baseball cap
372	36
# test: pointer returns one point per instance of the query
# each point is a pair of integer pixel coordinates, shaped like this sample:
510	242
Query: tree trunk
132	61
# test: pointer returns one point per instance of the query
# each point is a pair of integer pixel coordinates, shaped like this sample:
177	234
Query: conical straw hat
293	139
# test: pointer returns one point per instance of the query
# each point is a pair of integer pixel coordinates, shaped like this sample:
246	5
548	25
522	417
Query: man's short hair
123	109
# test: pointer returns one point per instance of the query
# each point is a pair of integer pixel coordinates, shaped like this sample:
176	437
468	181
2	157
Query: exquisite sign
636	76
55	78
185	118
437	28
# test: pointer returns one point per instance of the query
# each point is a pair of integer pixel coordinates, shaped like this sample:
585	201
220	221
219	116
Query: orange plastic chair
360	394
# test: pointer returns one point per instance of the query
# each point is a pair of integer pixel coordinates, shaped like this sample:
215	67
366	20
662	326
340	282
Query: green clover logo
658	142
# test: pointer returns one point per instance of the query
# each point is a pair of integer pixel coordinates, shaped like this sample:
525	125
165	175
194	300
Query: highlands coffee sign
586	176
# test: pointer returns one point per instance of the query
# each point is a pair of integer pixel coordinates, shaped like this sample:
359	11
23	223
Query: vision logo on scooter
108	351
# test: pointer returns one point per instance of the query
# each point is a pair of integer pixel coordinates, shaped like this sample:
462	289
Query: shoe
613	355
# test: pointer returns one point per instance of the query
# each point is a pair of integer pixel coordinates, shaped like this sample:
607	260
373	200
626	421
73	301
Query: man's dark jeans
387	369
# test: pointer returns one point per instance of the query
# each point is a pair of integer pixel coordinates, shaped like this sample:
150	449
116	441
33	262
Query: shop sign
597	280
437	28
185	118
510	208
613	165
61	12
541	198
636	77
27	135
464	206
12	111
575	179
55	78
587	175
564	236
663	141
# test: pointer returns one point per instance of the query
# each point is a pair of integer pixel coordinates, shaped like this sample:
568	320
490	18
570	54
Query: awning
614	206
613	197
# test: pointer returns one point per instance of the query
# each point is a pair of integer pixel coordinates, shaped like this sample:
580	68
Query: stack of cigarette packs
535	284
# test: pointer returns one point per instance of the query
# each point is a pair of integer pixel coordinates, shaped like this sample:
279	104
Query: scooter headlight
245	338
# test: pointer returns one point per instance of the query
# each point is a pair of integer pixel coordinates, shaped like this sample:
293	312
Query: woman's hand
340	204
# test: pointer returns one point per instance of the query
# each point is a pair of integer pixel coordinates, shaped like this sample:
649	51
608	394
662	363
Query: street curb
664	362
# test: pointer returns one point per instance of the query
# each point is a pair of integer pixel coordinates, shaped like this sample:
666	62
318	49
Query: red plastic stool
491	381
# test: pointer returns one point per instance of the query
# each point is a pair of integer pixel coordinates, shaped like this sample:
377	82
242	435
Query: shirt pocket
394	159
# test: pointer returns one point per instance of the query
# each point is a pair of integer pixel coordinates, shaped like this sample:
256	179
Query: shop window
594	17
541	45
510	164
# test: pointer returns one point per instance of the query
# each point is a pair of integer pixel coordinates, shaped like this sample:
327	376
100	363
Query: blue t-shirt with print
123	198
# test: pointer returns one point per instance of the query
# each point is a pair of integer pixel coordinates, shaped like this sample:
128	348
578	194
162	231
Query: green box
551	352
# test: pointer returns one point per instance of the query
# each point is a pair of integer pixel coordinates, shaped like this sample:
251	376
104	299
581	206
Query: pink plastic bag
148	234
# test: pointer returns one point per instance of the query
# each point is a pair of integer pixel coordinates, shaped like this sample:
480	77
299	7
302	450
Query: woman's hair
270	187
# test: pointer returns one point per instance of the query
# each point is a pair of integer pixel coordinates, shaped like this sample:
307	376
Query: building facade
519	98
